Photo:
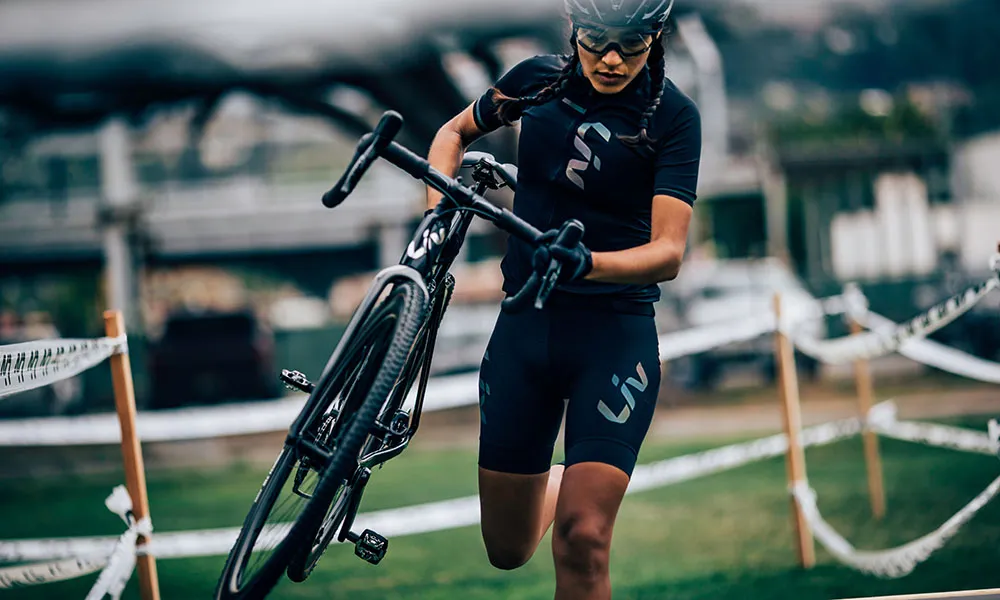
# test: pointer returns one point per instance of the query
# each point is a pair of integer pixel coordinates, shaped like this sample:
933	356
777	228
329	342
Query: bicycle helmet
620	13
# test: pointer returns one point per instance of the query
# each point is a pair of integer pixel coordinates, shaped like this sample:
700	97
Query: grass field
723	537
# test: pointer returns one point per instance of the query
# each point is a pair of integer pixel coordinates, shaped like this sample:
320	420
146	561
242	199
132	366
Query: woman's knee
512	507
582	543
508	556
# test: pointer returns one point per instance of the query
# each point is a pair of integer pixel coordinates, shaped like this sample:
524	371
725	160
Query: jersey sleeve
525	78
678	157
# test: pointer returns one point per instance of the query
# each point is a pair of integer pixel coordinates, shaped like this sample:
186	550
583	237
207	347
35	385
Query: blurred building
232	136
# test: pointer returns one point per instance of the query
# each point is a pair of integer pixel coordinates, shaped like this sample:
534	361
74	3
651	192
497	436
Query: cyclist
606	138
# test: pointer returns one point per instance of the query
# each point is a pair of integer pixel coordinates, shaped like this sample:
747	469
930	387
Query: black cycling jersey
572	165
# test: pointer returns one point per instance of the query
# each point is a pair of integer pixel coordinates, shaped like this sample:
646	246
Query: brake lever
521	300
548	283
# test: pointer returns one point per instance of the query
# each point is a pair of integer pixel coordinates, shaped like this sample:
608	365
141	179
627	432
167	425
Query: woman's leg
516	512
612	398
521	412
581	539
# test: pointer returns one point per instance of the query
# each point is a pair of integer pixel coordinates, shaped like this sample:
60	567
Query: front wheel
280	530
392	329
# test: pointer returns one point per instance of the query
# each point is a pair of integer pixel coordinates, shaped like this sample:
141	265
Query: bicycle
354	418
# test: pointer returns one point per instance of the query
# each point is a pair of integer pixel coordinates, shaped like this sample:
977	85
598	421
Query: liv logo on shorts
626	412
484	391
577	166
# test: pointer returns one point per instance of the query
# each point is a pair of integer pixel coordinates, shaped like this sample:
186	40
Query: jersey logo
626	411
576	166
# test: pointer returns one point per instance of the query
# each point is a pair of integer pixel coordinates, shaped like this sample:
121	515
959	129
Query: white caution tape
994	433
204	422
270	416
936	355
683	468
895	562
941	436
36	364
121	563
116	558
873	344
61	570
882	419
437	516
702	339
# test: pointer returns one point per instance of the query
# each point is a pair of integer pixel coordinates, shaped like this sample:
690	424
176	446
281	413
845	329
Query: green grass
727	536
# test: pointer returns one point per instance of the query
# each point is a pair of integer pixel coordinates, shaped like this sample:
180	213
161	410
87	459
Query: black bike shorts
600	367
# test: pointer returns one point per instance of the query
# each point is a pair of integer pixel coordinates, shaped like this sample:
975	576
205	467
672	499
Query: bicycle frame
431	253
427	260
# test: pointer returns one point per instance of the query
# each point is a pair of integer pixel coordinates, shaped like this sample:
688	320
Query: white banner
37	364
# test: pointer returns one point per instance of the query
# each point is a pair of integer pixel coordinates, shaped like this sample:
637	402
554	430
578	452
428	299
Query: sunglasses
626	42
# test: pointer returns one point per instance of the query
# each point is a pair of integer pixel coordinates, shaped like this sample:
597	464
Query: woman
606	139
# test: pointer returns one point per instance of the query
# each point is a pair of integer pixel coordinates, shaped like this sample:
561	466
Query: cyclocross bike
354	418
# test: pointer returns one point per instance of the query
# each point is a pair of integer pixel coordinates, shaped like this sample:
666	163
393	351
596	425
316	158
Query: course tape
461	512
894	562
936	355
32	365
114	558
61	570
436	516
684	468
270	416
874	344
121	563
933	434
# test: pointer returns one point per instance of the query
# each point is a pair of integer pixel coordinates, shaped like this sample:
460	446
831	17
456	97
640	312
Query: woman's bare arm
660	259
449	146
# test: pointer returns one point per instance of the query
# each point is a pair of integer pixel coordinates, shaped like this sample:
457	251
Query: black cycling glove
576	262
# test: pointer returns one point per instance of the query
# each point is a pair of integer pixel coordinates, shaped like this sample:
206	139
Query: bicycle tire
405	314
344	462
304	561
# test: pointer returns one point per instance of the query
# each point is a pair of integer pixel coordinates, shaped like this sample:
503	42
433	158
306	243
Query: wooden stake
873	461
135	474
788	389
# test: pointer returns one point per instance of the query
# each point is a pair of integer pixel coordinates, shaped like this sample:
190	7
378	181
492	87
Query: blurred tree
859	48
852	123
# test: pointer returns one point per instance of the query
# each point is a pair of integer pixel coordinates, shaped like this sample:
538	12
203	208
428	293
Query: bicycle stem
419	168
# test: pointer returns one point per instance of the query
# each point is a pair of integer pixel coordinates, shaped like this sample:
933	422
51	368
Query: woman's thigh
613	392
521	411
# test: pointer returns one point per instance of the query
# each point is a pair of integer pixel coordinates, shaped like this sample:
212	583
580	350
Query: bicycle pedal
369	546
295	380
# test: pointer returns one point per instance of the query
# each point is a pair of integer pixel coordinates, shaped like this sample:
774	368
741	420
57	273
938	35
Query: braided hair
509	108
657	66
